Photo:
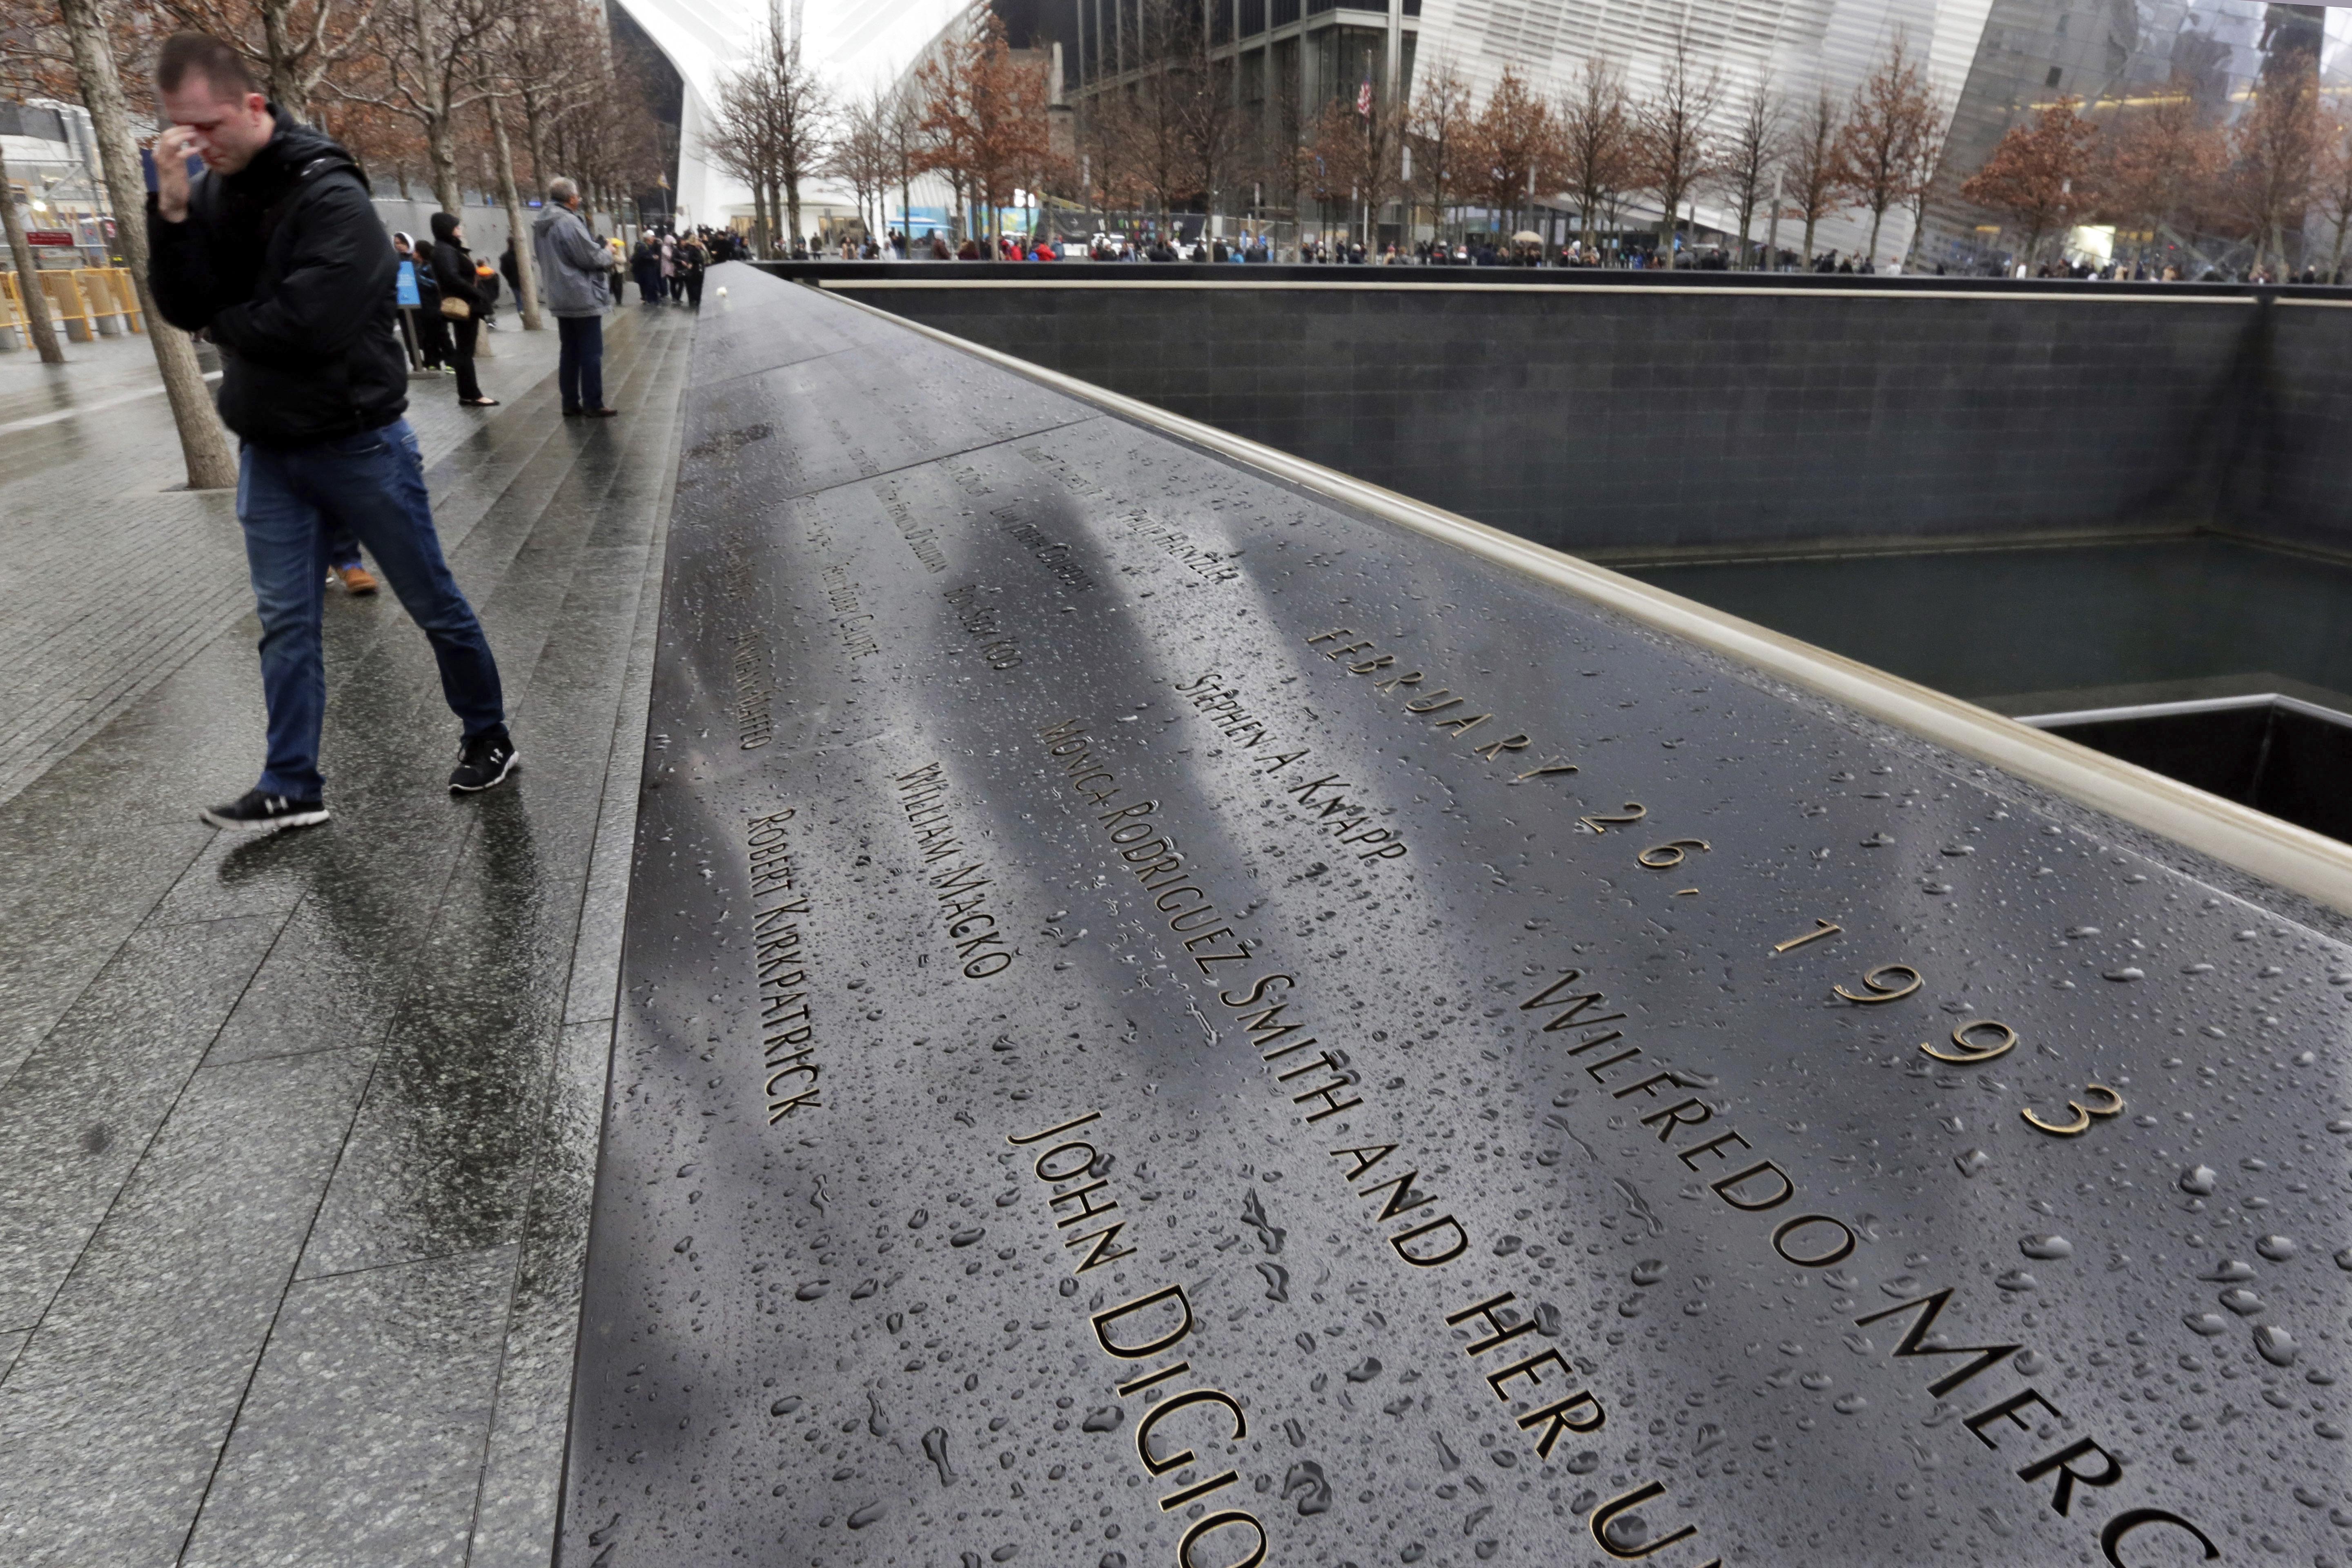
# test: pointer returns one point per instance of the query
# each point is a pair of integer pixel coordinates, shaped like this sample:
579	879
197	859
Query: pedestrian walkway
296	1135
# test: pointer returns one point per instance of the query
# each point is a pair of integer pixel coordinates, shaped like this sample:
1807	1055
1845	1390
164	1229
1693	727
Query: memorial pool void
1178	1009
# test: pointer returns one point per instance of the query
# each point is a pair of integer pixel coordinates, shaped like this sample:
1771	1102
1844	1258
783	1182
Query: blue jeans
579	362
289	498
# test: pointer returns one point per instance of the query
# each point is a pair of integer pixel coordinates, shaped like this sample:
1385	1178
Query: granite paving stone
65	922
81	1111
417	943
113	1415
360	1443
435	1163
516	1517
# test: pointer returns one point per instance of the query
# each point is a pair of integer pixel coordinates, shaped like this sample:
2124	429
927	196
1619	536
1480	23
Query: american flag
1364	98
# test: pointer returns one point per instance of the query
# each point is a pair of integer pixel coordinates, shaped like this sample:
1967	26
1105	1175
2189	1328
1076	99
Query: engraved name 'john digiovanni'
1144	1328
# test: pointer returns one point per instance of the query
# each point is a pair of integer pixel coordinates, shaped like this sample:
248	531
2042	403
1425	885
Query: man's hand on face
172	152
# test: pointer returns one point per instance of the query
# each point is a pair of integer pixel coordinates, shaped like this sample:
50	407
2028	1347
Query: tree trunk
534	136
441	149
284	81
526	265
792	201
203	443
1805	262
44	333
1877	217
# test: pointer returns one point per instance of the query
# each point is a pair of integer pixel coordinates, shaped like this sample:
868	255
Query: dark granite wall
1651	419
2298	431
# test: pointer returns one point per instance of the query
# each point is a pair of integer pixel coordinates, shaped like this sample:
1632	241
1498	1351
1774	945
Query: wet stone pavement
296	1135
1136	1051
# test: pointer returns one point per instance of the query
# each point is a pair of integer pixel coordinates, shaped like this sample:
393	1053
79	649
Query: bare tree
1355	146
295	46
774	119
1676	136
902	134
1195	91
2040	174
861	155
1750	156
38	325
431	53
1440	132
555	54
1926	158
1596	143
1511	141
203	443
1173	130
1814	174
1137	150
526	263
1880	143
2160	162
2275	146
2333	192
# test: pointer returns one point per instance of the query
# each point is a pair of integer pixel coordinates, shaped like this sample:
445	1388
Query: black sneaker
483	762
258	811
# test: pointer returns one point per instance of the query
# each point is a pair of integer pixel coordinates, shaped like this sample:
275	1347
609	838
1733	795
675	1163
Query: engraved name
851	619
1325	801
1761	1187
754	727
1042	548
779	956
960	890
1149	1335
984	627
919	537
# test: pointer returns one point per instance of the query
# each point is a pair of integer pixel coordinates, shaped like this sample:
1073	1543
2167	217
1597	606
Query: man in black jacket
275	252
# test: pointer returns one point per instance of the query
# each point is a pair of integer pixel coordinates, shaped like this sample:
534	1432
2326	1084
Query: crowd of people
1151	245
667	265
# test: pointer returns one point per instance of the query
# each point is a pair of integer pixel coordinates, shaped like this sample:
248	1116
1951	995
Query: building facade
856	46
2109	54
1316	52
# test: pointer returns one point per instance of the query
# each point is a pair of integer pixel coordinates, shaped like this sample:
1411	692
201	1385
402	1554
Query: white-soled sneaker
483	762
256	811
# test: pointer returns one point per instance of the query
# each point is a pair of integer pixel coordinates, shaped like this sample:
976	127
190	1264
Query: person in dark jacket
691	261
432	338
275	252
453	270
644	267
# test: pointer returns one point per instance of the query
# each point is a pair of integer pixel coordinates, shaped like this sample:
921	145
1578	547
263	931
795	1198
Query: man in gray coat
573	269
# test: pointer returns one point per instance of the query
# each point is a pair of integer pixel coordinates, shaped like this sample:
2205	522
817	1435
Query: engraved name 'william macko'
960	888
